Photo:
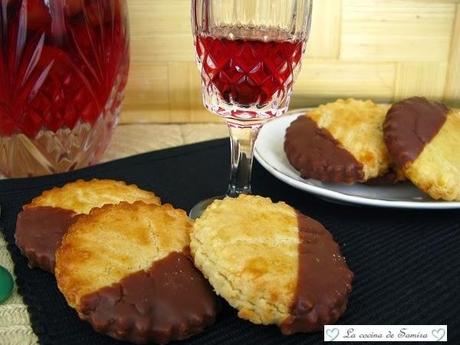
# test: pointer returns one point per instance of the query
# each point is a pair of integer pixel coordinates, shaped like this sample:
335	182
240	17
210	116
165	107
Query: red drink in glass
255	72
63	69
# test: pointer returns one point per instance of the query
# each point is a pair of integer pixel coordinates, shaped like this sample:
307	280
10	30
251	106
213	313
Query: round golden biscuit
437	170
113	242
339	142
250	249
81	196
357	126
125	268
423	137
42	223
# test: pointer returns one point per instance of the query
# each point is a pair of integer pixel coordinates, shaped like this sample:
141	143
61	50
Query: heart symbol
333	333
438	333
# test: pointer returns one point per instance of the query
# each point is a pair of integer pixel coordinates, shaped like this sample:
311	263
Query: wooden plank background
380	49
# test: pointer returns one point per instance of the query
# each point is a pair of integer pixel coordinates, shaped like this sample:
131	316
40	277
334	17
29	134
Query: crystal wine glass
249	53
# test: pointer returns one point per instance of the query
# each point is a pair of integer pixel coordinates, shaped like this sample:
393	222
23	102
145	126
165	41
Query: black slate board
406	262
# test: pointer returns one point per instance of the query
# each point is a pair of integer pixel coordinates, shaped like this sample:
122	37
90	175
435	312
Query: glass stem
242	141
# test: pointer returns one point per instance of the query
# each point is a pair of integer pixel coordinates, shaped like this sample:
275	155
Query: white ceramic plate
270	154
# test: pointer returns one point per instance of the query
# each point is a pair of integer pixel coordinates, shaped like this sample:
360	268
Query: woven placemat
15	328
406	262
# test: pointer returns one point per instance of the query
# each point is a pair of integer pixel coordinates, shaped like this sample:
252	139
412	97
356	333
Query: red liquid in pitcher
59	62
248	71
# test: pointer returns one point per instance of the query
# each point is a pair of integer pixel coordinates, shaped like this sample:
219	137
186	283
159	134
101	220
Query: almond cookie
339	142
126	270
273	264
423	138
42	223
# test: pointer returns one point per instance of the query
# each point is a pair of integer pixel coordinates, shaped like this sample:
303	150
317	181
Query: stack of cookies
352	141
144	272
43	222
120	258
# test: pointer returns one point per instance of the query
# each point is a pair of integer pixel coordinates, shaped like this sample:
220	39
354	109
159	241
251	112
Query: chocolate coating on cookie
170	301
410	125
39	231
324	280
315	153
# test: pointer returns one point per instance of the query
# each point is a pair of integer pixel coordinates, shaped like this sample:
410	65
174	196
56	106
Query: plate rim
334	196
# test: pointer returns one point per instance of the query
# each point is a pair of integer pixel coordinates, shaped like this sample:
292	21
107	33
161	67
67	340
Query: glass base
52	152
199	208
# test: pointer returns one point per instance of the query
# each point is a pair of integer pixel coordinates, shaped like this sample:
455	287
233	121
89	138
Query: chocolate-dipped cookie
272	263
126	270
43	222
339	142
423	138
